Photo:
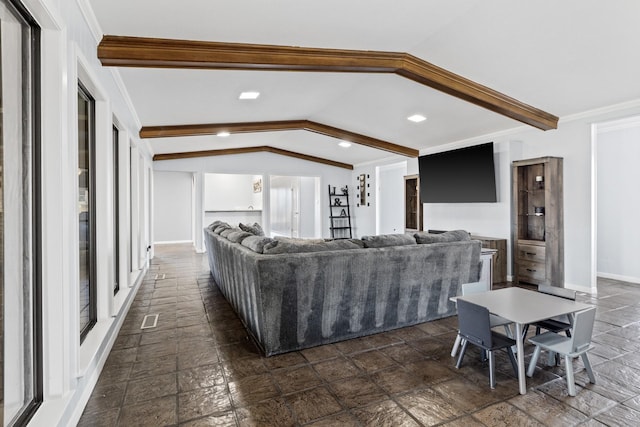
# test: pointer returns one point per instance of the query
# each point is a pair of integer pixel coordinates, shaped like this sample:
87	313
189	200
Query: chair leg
514	363
570	381
492	373
587	367
462	351
507	331
537	330
551	358
525	330
534	360
456	345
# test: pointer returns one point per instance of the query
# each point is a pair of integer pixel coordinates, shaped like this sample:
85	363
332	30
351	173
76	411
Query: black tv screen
465	175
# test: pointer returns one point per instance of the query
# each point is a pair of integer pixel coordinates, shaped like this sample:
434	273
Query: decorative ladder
339	213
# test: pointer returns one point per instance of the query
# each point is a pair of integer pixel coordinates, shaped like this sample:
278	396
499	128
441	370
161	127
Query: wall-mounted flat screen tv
465	175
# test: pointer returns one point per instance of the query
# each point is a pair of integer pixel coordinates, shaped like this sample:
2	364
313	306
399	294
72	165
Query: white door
285	210
390	200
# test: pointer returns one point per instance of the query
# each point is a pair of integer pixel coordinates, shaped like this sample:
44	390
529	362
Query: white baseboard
620	277
579	288
171	242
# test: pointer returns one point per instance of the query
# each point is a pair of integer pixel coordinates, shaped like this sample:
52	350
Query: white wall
172	206
231	192
572	141
618	200
265	164
70	370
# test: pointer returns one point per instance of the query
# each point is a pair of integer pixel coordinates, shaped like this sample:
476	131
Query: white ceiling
564	57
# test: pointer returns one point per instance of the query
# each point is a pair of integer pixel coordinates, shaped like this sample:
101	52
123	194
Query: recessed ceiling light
223	134
344	144
417	118
249	95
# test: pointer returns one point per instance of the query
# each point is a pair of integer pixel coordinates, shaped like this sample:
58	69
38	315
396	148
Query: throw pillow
255	243
448	236
219	229
254	229
386	240
214	224
238	236
227	231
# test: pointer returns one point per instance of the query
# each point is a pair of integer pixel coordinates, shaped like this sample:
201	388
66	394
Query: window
20	325
86	210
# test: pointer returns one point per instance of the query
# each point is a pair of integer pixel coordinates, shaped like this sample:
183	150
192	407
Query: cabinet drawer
533	272
531	253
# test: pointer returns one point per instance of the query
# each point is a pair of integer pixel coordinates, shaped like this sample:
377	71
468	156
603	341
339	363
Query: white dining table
522	307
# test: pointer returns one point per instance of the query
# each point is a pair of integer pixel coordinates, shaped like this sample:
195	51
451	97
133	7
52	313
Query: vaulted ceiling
506	63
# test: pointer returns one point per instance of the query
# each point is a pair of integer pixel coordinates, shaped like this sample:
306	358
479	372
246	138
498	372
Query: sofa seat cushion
385	240
311	245
256	243
448	236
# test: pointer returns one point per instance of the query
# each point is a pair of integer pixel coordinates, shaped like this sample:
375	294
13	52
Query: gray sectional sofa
296	294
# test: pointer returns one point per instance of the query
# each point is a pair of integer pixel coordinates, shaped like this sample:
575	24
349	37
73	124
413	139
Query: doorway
294	206
615	150
390	198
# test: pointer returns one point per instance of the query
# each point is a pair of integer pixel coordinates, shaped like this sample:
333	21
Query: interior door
390	206
284	200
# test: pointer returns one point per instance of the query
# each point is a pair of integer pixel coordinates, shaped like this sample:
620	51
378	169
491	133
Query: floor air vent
149	321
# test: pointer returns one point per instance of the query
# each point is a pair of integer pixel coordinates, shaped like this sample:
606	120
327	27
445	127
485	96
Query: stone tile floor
199	368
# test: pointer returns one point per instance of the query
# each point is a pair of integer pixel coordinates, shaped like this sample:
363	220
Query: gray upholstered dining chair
578	344
556	324
474	288
475	327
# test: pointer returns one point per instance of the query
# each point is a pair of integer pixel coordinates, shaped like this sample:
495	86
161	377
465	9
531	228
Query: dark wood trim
123	51
214	128
245	150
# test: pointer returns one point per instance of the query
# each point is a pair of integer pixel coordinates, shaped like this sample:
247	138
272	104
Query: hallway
197	367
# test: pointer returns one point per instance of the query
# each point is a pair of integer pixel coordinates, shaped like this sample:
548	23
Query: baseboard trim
578	288
630	279
82	394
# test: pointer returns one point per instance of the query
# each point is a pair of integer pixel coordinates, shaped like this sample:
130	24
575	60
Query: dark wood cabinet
499	261
538	233
412	205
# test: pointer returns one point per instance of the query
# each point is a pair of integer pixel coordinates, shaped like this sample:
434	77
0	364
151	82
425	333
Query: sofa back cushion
307	245
256	243
385	240
448	236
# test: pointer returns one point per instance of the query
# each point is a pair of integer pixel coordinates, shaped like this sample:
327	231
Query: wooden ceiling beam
248	127
245	150
122	51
